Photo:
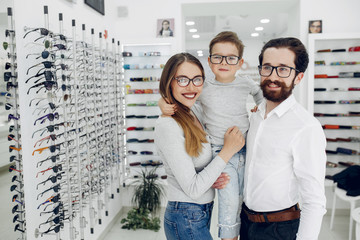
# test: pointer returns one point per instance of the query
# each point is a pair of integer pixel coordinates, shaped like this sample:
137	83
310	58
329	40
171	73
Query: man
285	162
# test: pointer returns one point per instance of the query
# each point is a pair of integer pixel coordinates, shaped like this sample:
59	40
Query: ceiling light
192	30
200	55
199	51
265	20
196	36
259	28
255	34
190	23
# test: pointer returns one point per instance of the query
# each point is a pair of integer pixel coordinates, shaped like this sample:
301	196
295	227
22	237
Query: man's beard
276	96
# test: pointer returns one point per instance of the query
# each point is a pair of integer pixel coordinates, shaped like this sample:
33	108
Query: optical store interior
79	93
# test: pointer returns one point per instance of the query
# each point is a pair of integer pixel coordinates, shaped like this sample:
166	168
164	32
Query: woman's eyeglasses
184	81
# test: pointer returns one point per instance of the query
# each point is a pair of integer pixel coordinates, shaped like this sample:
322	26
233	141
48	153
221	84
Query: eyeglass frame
276	69
226	59
189	80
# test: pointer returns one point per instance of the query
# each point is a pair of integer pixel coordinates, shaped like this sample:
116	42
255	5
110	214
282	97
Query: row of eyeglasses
14	136
73	93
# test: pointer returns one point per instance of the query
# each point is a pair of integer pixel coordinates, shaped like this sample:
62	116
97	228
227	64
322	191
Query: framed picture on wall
315	26
98	5
165	27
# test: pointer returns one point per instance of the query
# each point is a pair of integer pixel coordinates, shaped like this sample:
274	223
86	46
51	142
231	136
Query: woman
185	149
165	29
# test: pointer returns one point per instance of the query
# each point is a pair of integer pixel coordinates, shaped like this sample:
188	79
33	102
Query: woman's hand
166	109
233	142
221	181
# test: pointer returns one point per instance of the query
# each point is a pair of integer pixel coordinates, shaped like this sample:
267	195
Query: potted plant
147	198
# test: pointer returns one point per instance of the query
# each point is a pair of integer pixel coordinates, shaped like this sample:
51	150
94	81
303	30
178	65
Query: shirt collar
279	110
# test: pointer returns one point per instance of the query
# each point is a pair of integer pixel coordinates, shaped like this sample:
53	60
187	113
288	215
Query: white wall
336	16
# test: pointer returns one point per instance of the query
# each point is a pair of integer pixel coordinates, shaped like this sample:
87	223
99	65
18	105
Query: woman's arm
170	141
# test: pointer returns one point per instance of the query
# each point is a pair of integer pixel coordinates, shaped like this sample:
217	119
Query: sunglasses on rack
56	189
13	168
10	85
47	64
13	158
53	159
48	75
42	31
12	137
9	65
50	117
8	76
48	85
55	169
52	137
12	147
11	116
52	179
9	32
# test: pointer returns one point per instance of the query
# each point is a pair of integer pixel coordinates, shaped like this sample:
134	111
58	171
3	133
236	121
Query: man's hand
221	181
166	109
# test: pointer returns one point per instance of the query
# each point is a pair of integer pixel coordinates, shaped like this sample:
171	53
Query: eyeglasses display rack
142	66
12	104
73	96
334	87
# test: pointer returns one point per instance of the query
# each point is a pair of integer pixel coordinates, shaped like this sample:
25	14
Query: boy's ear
209	60
241	62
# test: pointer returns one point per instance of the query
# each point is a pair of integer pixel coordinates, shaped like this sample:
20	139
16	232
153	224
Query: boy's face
223	71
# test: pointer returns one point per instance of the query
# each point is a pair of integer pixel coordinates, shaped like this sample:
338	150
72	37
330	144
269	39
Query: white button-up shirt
285	164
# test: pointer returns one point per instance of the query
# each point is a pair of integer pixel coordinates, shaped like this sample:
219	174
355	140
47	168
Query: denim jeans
230	198
286	230
187	221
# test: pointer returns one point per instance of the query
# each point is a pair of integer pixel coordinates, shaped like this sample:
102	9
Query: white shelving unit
331	88
142	71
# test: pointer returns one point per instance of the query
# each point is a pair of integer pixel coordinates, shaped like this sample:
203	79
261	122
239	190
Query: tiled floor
340	231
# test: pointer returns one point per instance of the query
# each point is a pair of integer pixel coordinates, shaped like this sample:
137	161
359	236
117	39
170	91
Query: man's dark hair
294	45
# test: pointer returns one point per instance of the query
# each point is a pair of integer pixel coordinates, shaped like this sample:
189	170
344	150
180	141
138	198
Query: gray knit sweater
189	179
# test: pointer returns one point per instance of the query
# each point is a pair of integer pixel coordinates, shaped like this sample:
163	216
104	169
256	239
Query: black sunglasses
8	75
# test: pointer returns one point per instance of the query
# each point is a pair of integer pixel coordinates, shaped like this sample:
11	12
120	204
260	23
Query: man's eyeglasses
184	81
281	71
231	60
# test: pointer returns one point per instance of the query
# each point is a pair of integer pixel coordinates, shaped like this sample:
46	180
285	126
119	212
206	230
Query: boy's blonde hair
228	36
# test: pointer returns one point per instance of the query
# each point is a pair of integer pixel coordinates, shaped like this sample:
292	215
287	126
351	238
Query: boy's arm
198	110
166	108
255	91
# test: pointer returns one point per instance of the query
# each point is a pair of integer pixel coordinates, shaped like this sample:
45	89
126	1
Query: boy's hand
166	109
221	181
254	109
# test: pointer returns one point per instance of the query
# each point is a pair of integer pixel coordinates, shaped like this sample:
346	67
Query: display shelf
331	76
141	76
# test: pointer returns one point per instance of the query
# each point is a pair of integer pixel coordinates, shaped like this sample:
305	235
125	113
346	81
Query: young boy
223	103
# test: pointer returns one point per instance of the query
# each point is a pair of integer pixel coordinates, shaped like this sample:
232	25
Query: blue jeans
230	198
187	221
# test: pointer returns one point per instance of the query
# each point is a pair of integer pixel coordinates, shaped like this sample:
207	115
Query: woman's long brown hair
194	136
